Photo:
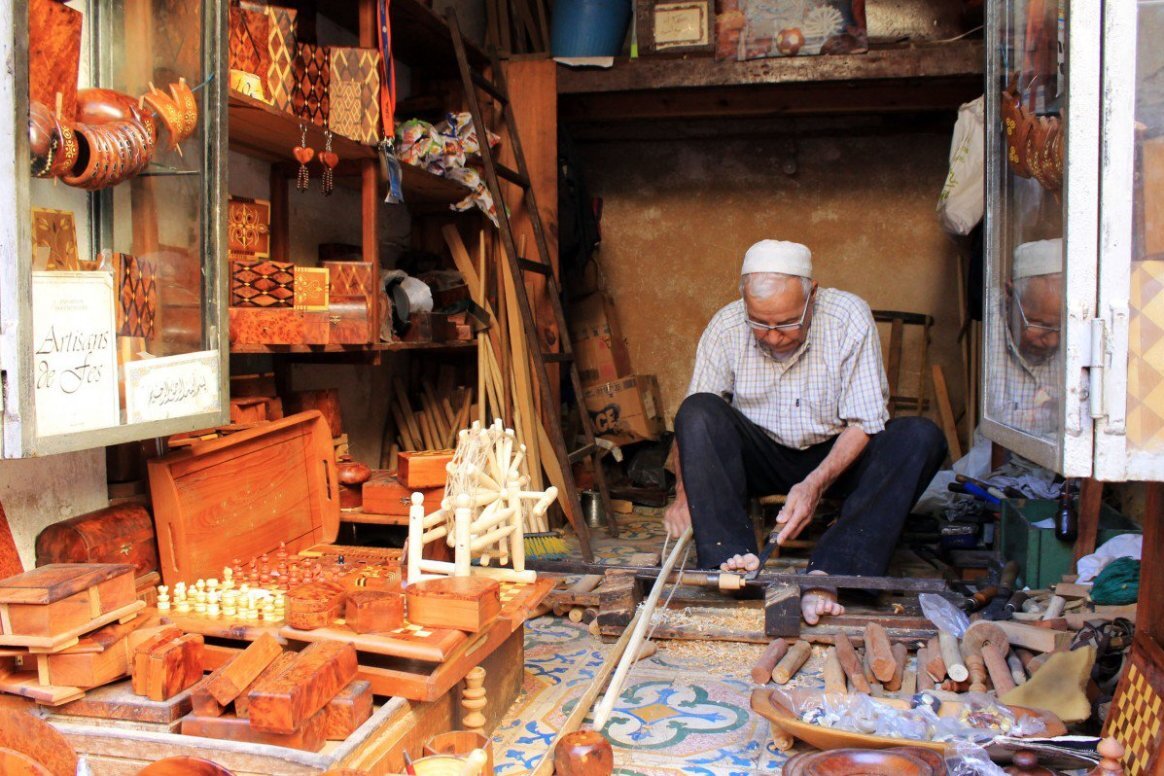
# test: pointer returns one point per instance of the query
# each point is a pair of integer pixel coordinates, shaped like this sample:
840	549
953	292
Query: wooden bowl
460	743
786	726
898	761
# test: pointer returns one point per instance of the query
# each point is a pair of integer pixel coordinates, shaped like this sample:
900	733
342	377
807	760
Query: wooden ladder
472	80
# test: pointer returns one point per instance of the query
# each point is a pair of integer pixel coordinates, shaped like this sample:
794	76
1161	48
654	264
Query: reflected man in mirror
789	395
1023	386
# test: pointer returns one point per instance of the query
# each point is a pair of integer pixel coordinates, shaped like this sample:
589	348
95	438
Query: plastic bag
944	614
966	759
963	200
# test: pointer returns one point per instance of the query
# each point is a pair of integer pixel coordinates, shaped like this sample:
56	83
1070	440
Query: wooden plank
946	412
308	737
1020	634
227	682
242	704
119	701
1090	501
283	703
431	645
349	709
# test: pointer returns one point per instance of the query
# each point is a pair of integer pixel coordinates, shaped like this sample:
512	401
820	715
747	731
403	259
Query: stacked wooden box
66	623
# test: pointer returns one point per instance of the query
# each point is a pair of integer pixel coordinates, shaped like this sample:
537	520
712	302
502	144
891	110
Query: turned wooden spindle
473	700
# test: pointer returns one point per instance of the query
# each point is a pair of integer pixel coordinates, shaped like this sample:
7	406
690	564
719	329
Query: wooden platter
786	726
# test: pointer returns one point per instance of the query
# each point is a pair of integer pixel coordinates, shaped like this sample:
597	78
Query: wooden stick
1054	607
603	710
952	656
996	666
908	683
879	652
834	675
762	670
850	663
791	662
900	653
924	680
1015	664
935	665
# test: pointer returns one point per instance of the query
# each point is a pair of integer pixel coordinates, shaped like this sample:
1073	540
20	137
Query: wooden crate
241	495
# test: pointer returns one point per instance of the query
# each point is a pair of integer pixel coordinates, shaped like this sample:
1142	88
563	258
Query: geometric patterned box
281	40
355	93
1145	419
137	296
310	89
1137	707
248	228
312	288
353	278
262	283
249	32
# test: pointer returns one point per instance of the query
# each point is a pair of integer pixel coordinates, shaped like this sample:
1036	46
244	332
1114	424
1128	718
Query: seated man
789	396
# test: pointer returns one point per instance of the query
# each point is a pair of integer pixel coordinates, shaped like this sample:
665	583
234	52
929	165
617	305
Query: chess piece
473	700
213	607
163	598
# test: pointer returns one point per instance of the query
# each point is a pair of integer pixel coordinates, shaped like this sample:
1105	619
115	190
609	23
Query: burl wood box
241	495
123	533
315	605
278	326
386	495
41	607
350	321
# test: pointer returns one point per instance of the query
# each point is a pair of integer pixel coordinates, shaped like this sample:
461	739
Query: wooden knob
583	753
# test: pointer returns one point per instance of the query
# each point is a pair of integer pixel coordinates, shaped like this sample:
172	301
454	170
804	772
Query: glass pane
1024	352
1145	421
119	213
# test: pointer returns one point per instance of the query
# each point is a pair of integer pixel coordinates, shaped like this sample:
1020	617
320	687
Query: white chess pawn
200	584
163	598
212	605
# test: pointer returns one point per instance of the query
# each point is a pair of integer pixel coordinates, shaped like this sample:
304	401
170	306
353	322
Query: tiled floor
683	711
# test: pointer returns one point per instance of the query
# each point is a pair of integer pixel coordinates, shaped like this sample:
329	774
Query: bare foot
817	602
744	563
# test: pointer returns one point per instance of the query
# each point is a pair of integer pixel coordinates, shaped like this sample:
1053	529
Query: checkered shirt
1021	394
835	380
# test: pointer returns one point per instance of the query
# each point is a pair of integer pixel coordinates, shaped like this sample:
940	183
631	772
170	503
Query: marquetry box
423	468
386	495
282	34
123	533
314	605
278	326
311	76
243	494
248	228
354	89
353	278
349	321
137	296
255	283
374	611
312	288
249	33
464	603
50	605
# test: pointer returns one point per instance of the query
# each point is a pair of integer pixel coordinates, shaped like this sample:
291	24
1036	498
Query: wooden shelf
896	78
380	347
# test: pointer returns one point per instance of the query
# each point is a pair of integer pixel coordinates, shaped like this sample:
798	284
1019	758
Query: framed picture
758	29
676	27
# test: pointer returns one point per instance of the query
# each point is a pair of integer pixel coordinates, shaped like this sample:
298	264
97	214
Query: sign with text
75	352
171	387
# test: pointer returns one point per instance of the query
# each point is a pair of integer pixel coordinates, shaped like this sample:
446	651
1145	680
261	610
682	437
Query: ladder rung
533	266
513	176
558	358
485	84
582	452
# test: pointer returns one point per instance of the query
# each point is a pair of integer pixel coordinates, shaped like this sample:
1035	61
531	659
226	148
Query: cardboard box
627	410
599	348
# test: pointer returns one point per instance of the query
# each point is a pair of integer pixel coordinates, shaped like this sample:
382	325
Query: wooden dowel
952	656
1015	664
924	680
834	675
762	670
908	683
868	669
793	659
850	663
879	652
1054	607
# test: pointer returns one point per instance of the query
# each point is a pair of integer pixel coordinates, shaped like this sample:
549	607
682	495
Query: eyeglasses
757	326
1035	326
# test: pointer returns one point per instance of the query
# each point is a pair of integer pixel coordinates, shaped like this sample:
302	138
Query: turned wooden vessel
583	753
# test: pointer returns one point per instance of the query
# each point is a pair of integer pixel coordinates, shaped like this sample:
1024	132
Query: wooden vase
583	753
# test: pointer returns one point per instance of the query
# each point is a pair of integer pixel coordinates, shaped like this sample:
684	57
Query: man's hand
677	518
798	509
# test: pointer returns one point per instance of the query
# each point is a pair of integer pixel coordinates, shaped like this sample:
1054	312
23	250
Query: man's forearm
847	449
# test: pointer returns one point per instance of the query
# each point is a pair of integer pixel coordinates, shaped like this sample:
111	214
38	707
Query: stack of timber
53	629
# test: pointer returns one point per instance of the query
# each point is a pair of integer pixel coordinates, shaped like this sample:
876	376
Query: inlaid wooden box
353	278
350	321
48	606
374	611
243	494
312	288
386	495
282	36
315	605
354	90
123	533
248	228
278	326
464	603
265	283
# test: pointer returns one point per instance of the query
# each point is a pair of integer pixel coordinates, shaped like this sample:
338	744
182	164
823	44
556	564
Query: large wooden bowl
786	726
898	761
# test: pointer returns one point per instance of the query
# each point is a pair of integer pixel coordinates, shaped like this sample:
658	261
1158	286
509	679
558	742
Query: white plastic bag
963	200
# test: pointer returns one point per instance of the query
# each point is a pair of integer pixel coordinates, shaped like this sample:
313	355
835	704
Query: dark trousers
726	458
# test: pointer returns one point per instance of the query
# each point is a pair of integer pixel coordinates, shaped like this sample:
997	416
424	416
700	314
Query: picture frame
675	27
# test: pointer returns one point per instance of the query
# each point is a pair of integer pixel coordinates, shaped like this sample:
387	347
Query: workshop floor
683	711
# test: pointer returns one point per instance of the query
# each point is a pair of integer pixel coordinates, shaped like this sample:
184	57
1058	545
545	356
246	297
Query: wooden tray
241	495
786	726
410	642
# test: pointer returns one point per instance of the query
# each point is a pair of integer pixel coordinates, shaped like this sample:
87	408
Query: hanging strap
387	71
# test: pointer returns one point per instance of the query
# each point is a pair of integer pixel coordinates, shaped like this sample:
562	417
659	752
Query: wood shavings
719	657
704	619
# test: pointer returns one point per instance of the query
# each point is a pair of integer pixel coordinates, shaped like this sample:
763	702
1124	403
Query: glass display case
1074	356
111	292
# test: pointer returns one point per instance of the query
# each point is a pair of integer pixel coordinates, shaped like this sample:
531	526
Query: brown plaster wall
678	216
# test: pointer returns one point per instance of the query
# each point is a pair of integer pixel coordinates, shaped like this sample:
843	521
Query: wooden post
415	536
1090	503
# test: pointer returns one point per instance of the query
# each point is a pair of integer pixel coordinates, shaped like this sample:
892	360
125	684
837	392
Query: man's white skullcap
1041	257
787	258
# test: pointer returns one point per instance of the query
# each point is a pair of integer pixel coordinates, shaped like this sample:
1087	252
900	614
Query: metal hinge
1095	361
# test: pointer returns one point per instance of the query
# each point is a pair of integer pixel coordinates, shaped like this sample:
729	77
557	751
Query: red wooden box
243	494
123	533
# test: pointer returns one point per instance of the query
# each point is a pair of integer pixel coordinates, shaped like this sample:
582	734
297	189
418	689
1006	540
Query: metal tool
765	553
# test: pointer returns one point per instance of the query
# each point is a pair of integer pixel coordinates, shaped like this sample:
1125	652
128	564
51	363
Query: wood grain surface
465	603
283	703
349	709
308	737
24	733
123	533
242	703
227	682
374	611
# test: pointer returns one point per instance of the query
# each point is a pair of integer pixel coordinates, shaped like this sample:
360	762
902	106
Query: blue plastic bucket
590	28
